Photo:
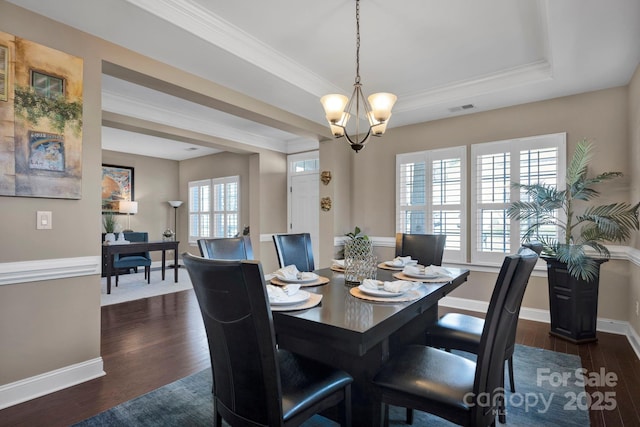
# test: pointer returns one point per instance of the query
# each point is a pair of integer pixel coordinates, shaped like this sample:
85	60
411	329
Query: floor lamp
175	204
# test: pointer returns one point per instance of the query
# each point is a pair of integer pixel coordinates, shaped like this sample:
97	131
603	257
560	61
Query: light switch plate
44	220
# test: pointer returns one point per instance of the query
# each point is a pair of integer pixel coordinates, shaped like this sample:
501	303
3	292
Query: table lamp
128	207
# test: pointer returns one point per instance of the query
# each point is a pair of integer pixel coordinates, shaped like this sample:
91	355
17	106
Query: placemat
384	266
321	280
411	295
400	275
338	269
314	299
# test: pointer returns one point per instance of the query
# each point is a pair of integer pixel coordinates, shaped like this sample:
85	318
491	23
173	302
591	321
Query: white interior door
305	205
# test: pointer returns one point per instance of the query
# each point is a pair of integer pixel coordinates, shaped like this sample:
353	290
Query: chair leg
410	416
147	272
385	415
502	415
512	382
346	402
116	272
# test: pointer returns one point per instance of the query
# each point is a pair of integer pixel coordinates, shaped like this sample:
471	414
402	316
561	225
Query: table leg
163	262
175	264
366	406
109	270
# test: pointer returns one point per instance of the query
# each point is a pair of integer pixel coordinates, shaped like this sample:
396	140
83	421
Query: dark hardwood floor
149	343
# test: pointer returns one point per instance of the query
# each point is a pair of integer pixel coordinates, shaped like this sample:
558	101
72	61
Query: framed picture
117	186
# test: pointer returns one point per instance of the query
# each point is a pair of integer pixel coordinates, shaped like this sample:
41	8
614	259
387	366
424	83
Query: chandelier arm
376	114
357	145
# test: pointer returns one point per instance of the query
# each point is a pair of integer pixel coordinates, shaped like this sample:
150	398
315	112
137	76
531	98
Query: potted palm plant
109	223
574	242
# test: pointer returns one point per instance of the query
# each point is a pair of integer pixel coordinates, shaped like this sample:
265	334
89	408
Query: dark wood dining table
359	335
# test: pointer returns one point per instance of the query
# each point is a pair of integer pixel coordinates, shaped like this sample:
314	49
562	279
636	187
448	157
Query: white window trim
428	156
513	146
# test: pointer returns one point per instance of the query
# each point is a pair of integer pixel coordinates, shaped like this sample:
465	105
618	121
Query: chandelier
377	110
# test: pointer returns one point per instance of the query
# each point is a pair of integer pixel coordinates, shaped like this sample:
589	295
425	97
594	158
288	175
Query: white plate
309	277
392	264
379	292
424	276
297	298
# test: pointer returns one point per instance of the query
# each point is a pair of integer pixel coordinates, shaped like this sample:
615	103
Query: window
495	166
4	74
306	165
430	195
47	86
214	208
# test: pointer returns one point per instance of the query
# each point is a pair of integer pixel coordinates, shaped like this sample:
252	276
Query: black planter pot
573	303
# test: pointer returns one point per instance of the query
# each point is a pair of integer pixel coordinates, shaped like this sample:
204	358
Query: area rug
540	400
134	286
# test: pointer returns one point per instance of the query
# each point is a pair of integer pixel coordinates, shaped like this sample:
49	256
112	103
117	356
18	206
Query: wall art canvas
40	120
117	186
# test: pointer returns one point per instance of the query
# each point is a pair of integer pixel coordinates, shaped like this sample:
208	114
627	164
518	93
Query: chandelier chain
357	41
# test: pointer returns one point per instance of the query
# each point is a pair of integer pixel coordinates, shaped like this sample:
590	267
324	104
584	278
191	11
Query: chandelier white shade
376	109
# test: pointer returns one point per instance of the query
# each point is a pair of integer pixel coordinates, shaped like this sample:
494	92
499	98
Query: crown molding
119	103
490	83
202	23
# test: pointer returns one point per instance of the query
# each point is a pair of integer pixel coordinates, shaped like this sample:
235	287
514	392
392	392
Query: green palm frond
582	190
577	167
614	222
592	228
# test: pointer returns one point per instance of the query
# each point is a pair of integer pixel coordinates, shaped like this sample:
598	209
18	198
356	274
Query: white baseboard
611	326
49	382
634	340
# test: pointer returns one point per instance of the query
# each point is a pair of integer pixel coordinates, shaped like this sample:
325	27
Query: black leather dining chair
255	382
294	249
451	386
427	249
226	248
458	331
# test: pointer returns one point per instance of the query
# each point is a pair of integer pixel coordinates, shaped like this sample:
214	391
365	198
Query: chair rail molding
48	269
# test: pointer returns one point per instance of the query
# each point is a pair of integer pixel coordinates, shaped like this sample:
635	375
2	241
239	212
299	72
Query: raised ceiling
435	55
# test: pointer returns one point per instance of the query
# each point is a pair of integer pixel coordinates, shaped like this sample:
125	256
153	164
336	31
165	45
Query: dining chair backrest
294	249
226	248
525	250
239	326
502	313
428	249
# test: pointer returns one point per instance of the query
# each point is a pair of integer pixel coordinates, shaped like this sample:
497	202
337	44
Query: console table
109	250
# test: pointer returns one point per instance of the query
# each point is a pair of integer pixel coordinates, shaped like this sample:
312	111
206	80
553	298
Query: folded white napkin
396	286
401	261
338	263
436	270
413	269
280	293
372	283
290	272
432	270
